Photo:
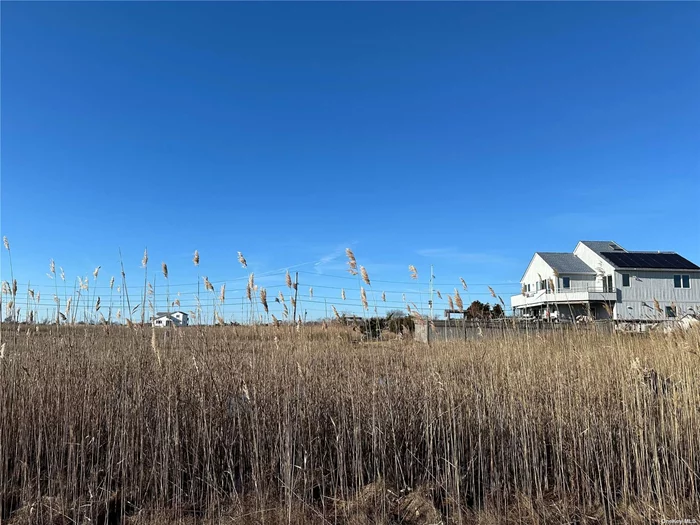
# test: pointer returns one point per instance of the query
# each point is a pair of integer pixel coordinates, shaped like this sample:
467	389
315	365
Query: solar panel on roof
652	260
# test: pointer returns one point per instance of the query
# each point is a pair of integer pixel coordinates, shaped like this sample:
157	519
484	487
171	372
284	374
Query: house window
681	281
566	282
670	311
607	283
625	279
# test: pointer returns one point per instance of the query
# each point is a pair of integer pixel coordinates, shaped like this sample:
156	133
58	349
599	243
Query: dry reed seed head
384	297
352	262
96	272
144	260
6	288
464	284
2	346
62	316
6	243
242	260
285	311
56	299
311	293
493	294
111	283
288	279
439	294
68	303
413	271
97	305
275	321
14	288
403	297
207	285
294	302
249	292
195	259
129	323
408	307
52	266
365	276
31	293
280	297
63	274
263	299
657	307
335	312
458	300
324	325
251	280
342	293
222	293
502	301
165	270
363	296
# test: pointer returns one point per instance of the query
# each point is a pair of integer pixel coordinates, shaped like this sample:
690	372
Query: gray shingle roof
602	246
566	262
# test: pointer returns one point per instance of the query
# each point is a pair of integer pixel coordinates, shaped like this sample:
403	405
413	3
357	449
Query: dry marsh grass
283	425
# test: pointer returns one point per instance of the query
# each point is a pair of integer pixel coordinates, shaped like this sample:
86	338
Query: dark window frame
566	282
625	280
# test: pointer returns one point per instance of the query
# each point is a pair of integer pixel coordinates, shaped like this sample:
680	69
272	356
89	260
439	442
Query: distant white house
170	319
602	280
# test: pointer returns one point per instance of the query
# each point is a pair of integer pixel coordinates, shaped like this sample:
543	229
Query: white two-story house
170	319
602	280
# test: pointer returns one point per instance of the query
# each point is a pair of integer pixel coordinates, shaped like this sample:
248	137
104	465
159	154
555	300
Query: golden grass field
280	425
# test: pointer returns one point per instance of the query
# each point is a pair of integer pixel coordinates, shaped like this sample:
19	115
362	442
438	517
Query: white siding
647	285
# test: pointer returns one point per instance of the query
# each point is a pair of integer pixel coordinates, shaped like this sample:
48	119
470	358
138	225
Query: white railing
574	289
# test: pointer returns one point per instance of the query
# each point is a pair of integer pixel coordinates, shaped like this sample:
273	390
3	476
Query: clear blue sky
464	135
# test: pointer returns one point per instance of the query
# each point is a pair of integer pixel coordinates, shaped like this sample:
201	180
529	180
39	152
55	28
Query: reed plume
288	280
365	276
207	285
493	294
384	297
363	296
413	271
311	293
458	300
195	259
165	270
263	299
342	293
464	284
242	260
222	293
335	312
352	262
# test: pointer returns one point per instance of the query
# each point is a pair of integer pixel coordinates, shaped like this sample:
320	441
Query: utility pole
430	304
296	294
